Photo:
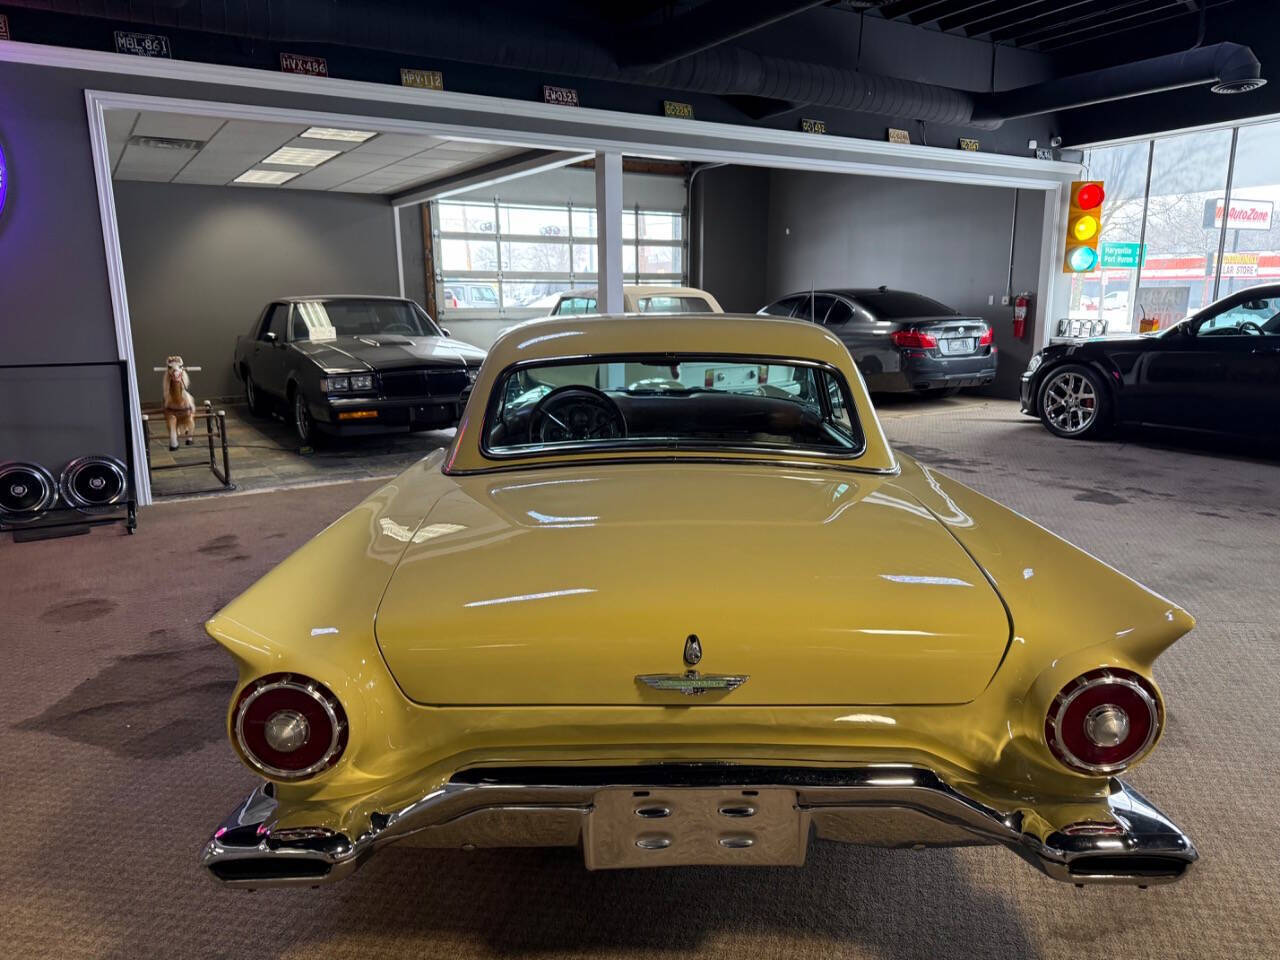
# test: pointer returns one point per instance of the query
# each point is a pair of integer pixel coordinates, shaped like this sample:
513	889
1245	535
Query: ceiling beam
913	10
958	14
1048	28
1143	19
509	168
705	26
1026	12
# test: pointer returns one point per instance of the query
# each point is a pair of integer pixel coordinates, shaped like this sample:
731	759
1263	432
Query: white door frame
562	128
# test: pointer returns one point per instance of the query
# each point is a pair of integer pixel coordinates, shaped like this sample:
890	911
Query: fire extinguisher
1021	304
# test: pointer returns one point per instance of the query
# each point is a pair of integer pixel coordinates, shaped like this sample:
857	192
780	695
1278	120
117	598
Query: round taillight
289	726
1103	720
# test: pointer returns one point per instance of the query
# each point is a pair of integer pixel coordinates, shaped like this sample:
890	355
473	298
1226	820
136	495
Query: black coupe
1217	371
349	365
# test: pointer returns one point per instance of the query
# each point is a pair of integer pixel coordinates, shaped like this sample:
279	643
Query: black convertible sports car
347	365
1218	371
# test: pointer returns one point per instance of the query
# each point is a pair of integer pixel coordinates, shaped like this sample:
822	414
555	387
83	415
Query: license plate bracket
687	826
957	346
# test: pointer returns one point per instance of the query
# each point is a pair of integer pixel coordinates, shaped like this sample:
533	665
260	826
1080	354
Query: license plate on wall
957	345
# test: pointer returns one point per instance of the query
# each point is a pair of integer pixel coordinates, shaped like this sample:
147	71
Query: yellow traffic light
1084	220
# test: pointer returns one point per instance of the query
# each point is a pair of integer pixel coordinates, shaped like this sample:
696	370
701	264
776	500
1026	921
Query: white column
609	232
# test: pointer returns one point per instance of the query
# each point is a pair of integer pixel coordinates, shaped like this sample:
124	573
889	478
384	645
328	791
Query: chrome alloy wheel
1070	402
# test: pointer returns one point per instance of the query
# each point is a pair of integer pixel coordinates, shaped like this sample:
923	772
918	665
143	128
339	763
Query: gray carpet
113	767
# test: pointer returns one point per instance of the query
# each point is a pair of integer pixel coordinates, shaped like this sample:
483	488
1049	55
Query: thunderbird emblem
691	683
692	650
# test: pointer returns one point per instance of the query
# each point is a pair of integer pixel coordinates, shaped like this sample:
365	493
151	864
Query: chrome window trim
276	773
1061	704
673	451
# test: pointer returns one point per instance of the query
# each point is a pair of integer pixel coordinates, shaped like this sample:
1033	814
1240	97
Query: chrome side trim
1129	841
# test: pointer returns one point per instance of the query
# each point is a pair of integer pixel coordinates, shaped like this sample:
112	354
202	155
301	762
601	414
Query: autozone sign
1243	214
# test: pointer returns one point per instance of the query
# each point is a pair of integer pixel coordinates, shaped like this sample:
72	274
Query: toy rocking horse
179	405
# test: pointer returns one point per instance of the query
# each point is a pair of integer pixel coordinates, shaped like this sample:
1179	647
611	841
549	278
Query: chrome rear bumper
671	814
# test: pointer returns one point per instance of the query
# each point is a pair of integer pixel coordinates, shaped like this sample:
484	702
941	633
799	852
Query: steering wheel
1249	327
575	413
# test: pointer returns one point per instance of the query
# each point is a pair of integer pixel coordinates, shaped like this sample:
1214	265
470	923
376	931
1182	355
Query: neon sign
4	179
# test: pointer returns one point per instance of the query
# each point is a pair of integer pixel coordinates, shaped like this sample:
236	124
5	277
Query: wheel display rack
67	520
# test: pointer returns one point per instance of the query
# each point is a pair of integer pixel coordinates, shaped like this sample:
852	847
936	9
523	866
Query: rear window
898	305
670	304
671	402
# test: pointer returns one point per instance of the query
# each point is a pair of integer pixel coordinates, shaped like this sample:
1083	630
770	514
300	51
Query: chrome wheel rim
1070	402
301	417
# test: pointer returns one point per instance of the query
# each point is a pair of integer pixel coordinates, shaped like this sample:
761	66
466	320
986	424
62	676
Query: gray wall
947	241
55	304
729	238
201	262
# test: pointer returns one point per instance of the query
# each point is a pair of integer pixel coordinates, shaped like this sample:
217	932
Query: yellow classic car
671	597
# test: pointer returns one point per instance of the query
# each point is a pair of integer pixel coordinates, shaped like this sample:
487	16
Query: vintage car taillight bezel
305	686
1092	680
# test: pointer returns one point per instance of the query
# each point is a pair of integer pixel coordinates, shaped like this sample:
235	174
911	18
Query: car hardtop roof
340	296
639	290
854	293
577	336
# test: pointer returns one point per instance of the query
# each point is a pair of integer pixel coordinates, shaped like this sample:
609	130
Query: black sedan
1218	371
902	342
355	365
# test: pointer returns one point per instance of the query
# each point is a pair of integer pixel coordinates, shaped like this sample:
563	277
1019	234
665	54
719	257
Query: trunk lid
956	336
562	587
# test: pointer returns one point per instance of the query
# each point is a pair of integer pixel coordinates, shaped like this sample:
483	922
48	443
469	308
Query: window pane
1252	252
584	258
584	222
468	254
659	259
533	293
534	257
673	304
659	226
536	221
688	400
1186	172
1106	293
465	217
468	295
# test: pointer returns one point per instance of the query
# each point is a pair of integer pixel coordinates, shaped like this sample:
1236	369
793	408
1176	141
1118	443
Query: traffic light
1084	221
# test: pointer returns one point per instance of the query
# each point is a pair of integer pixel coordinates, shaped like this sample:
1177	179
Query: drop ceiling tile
151	163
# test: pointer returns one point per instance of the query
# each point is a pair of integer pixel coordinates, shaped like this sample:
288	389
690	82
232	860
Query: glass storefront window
1105	294
1251	253
1188	176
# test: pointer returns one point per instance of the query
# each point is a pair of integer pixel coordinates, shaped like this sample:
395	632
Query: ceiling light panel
335	133
265	176
300	157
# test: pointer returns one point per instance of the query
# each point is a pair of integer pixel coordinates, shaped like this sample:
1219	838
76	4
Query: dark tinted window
813	306
898	305
783	307
839	313
328	319
275	323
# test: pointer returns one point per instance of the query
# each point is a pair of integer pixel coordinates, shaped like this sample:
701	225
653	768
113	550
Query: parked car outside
1216	371
459	295
347	365
689	625
902	342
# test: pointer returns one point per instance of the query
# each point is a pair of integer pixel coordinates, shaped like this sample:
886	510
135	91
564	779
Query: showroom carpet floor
113	767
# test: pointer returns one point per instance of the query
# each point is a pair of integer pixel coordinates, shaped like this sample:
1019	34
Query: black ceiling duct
1230	67
542	45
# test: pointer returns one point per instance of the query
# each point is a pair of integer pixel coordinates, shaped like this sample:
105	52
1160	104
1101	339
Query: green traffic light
1083	259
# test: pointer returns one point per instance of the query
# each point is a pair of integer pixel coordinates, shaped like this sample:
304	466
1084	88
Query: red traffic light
1090	196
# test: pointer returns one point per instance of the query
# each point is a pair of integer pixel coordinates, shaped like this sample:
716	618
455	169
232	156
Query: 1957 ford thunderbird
671	598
